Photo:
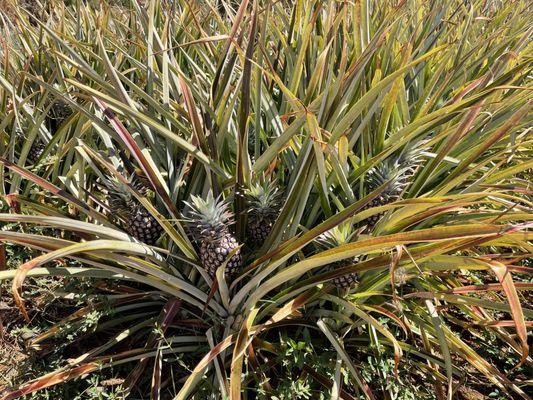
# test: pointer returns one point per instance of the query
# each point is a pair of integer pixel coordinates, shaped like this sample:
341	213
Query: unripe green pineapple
208	221
139	223
337	236
263	209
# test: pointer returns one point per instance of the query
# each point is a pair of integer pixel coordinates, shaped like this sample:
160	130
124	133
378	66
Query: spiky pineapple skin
214	253
143	226
36	151
345	281
59	112
372	221
258	231
331	239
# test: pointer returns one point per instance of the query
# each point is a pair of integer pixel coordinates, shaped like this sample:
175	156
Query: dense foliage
270	199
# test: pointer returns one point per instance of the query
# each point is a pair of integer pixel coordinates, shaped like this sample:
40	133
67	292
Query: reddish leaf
506	279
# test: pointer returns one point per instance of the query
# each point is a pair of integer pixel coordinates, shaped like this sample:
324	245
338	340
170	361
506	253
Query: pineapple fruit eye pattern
138	221
265	199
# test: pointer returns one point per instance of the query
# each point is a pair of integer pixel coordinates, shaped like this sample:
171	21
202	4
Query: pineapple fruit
263	207
139	222
59	112
36	151
209	221
395	170
339	235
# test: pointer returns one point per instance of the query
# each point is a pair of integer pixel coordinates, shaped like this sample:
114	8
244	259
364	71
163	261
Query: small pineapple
36	151
139	222
209	221
263	201
339	235
387	171
401	276
395	170
59	112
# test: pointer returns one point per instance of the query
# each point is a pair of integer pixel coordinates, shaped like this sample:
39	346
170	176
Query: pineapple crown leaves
208	218
410	156
336	236
139	177
117	186
263	198
396	170
388	171
118	191
121	197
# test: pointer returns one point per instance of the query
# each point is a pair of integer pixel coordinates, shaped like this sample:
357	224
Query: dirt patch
466	393
11	353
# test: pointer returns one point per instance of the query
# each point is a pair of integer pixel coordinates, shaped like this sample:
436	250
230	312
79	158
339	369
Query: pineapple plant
138	221
337	236
311	106
208	222
263	202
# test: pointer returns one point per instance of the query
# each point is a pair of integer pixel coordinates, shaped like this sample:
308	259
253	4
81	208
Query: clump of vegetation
266	199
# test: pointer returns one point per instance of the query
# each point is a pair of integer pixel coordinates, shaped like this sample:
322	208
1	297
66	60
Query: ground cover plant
266	199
